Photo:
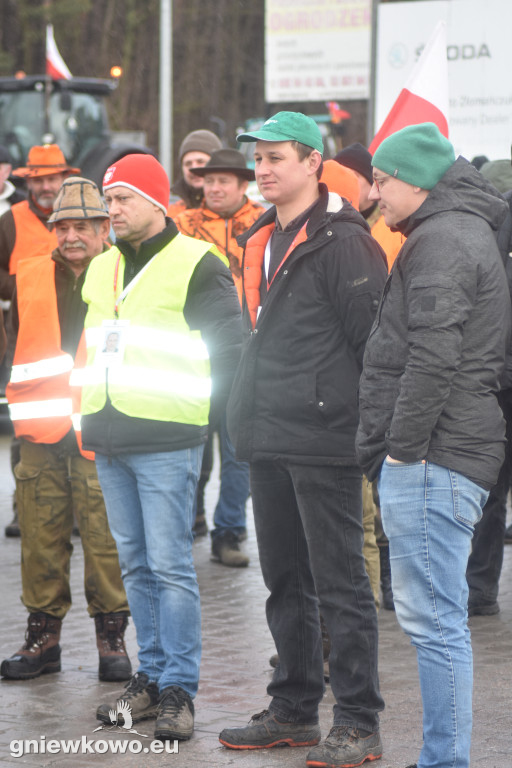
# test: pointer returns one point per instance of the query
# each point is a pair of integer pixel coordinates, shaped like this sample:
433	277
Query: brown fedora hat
43	161
226	161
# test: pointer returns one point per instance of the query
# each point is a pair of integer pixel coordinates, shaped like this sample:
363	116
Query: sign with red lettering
316	50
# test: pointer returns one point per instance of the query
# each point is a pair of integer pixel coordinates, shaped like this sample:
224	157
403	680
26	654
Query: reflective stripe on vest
165	372
41	368
40	409
155	339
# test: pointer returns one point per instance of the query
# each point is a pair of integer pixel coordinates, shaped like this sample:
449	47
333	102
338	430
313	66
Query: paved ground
235	672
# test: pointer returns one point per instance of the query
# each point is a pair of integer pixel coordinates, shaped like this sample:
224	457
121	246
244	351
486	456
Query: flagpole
370	123
165	122
47	78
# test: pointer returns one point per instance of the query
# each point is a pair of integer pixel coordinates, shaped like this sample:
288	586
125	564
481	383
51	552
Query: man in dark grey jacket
431	429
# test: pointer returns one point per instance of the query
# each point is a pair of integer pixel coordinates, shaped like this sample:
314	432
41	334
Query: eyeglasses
380	180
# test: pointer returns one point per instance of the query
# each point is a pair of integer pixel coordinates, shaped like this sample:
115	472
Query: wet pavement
234	674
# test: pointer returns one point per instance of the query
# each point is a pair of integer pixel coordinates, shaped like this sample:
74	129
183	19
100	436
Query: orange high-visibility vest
43	403
32	237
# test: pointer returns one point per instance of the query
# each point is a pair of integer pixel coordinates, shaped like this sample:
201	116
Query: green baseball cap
288	126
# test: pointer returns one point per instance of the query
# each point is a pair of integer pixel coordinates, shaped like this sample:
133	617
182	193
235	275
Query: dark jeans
229	513
310	537
486	558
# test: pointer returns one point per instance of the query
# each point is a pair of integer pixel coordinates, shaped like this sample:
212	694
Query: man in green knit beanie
431	431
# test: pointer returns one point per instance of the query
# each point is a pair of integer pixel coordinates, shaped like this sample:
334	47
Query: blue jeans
150	501
309	528
229	513
428	514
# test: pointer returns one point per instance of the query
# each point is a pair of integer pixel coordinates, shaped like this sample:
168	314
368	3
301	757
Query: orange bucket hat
43	161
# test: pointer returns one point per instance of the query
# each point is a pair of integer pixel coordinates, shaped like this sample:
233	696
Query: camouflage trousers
370	547
55	486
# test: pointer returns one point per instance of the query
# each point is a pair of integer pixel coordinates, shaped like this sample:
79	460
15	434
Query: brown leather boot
41	652
114	662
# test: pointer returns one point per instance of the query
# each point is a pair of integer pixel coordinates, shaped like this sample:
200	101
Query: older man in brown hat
55	477
225	213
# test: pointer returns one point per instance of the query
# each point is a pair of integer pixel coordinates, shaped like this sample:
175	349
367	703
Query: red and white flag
55	66
424	99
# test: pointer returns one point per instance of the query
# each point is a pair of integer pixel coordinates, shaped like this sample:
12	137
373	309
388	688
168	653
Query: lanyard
131	285
290	249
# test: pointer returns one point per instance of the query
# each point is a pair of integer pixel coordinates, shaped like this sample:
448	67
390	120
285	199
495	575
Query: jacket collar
148	248
329	204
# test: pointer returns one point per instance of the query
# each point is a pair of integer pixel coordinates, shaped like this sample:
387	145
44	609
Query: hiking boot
140	695
483	609
175	719
345	747
114	662
13	529
226	549
41	652
265	730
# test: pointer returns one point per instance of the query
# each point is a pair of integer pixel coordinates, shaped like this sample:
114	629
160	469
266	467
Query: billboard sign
317	50
478	53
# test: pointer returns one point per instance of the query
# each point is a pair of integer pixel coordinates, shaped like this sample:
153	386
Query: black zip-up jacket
211	307
436	351
295	391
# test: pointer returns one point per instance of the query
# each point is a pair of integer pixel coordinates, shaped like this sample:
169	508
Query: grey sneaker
264	731
345	747
140	695
226	549
175	719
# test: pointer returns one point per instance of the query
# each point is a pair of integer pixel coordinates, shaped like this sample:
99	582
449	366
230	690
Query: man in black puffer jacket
312	278
431	429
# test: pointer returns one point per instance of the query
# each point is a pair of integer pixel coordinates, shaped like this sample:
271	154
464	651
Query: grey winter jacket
436	350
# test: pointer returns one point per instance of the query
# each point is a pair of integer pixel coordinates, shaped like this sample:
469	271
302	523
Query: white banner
478	52
317	50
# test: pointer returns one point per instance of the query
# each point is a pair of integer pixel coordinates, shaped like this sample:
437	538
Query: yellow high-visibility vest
164	373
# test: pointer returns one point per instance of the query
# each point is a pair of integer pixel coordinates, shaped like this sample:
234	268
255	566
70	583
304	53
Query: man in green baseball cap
288	126
312	277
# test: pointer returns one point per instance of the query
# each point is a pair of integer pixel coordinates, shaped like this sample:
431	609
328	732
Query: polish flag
55	66
424	99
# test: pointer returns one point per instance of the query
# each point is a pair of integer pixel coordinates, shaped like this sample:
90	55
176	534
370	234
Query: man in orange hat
23	229
24	232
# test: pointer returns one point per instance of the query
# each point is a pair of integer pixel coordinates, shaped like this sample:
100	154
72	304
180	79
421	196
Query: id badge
110	350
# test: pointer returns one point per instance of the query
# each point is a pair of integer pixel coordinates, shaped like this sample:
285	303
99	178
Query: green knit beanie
418	154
